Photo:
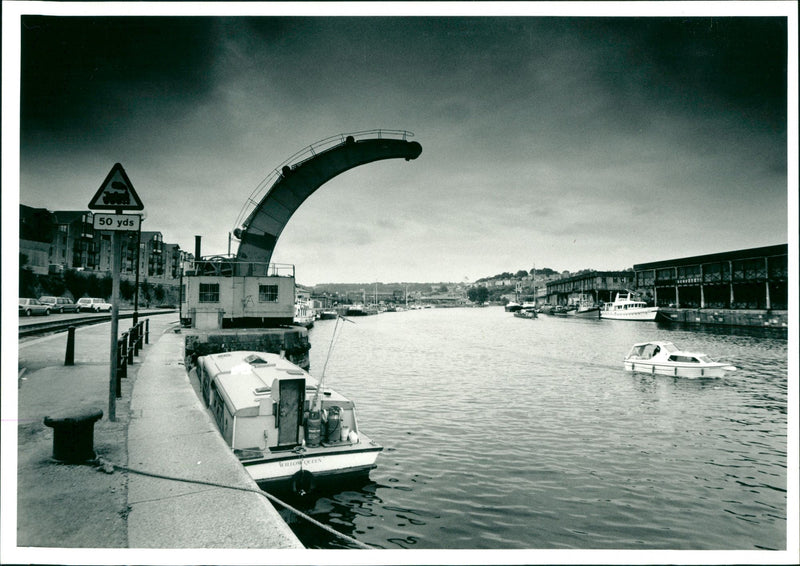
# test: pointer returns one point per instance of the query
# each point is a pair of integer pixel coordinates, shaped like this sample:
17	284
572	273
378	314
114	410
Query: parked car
59	304
30	307
93	304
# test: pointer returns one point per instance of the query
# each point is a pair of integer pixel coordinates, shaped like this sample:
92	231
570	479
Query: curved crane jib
259	234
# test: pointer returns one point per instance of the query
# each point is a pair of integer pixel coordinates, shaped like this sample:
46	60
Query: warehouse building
755	278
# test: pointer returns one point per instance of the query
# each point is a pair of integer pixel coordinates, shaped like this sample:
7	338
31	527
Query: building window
209	292
267	293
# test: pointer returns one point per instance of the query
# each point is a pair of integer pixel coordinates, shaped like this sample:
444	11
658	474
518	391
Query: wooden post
69	358
112	381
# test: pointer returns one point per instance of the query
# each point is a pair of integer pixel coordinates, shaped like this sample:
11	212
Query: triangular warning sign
116	193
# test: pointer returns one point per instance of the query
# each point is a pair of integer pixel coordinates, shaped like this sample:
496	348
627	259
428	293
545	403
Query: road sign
116	193
122	222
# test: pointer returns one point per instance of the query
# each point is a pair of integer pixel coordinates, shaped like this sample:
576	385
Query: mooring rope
103	463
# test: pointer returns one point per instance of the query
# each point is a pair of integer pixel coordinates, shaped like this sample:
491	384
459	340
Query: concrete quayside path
161	429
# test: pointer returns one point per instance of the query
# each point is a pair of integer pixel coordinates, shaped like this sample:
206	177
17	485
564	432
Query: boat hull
526	314
646	313
586	313
678	370
320	463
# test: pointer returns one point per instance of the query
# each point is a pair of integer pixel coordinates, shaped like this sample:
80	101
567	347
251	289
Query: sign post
115	269
117	194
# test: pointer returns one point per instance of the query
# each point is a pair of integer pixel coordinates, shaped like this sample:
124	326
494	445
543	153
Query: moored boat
585	309
625	307
664	358
286	428
304	314
328	314
356	310
526	313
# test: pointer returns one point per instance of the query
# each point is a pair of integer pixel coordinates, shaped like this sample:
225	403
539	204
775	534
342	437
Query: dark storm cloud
78	72
534	129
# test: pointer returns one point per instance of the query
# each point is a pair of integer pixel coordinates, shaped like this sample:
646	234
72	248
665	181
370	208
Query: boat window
650	350
636	351
684	359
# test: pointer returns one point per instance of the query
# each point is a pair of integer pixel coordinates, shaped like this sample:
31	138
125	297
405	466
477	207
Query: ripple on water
502	433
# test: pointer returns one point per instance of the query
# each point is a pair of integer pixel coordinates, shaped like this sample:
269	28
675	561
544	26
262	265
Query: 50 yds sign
126	222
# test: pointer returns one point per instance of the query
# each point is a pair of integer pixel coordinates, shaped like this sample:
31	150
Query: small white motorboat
287	429
664	358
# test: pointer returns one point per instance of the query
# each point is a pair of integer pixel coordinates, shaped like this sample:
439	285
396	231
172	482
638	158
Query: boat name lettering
292	463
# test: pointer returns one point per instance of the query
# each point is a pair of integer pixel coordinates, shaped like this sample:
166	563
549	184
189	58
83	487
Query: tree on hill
478	294
543	271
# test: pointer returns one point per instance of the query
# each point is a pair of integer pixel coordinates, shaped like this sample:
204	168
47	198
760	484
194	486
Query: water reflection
502	433
336	504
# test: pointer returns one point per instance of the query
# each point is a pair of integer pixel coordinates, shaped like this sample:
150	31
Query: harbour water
505	433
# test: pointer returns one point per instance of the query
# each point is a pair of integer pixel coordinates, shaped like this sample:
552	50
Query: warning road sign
116	193
122	222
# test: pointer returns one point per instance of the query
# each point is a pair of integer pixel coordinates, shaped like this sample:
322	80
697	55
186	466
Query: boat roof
245	378
672	348
655	343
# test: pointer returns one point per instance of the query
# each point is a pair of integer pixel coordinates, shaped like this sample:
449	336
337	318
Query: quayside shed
754	278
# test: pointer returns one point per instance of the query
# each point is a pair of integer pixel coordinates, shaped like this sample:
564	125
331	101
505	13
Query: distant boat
356	310
626	308
303	314
513	306
586	308
664	358
328	314
526	313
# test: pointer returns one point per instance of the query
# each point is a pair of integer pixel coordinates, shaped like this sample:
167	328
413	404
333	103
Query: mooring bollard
122	363
130	348
69	358
73	436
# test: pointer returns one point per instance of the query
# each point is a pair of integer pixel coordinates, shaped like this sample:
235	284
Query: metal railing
61	325
227	266
128	346
307	153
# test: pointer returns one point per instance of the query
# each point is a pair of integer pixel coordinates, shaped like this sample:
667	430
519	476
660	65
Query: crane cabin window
209	292
267	293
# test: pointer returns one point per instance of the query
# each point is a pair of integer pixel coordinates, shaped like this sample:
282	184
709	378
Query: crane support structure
295	182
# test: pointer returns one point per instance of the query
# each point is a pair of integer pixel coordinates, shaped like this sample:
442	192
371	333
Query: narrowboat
287	429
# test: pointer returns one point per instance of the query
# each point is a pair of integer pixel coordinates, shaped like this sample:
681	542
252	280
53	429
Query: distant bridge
292	182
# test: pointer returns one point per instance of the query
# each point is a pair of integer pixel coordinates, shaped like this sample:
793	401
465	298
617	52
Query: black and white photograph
400	283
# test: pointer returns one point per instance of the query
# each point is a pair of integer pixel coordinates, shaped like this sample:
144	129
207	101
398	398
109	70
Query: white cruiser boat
287	430
664	358
304	314
626	308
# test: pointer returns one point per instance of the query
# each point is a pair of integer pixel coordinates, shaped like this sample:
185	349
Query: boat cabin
261	401
647	350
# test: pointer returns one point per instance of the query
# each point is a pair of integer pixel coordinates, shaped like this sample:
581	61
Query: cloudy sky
561	142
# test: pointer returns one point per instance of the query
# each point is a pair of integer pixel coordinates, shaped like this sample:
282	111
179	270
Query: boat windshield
684	359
